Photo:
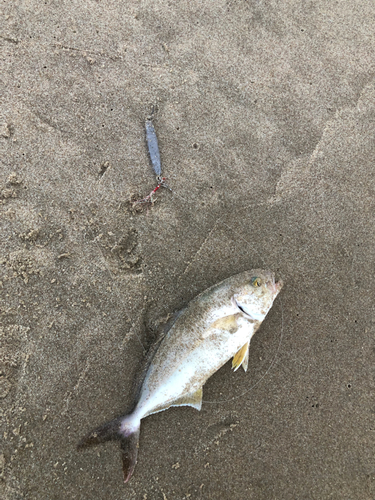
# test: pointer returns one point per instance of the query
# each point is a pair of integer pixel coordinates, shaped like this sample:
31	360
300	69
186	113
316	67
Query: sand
265	114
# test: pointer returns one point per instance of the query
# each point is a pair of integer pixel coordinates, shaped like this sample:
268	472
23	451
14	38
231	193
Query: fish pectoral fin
241	357
227	323
194	399
245	362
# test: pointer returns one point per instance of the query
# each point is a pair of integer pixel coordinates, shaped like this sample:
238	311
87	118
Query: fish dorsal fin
241	357
194	399
173	320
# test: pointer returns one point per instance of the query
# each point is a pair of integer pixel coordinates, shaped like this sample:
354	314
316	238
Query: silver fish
217	325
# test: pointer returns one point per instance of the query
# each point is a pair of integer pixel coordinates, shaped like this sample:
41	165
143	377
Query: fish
216	326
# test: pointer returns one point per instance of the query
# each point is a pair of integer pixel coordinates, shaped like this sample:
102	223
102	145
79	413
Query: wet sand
266	122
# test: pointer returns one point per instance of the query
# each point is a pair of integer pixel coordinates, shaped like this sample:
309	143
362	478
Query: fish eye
255	281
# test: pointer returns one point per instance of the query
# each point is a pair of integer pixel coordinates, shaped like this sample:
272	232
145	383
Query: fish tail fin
123	429
129	444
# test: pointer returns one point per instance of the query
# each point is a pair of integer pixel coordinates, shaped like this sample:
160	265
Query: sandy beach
265	116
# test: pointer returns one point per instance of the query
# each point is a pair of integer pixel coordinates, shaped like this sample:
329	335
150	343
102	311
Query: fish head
254	298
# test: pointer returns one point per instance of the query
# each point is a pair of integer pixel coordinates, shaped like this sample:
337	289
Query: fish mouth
275	286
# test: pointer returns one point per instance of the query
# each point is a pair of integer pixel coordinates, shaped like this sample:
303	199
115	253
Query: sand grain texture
266	124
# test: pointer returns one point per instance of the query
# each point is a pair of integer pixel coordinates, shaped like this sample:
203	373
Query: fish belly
164	386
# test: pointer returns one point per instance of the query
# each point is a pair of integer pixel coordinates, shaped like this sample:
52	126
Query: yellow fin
194	399
240	357
245	361
228	323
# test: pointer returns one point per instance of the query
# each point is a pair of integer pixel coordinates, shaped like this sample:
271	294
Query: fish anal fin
193	399
241	357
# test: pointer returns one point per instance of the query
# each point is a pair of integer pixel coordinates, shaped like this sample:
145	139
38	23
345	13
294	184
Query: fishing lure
150	198
153	149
